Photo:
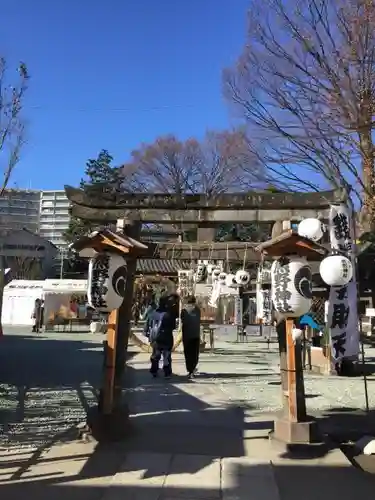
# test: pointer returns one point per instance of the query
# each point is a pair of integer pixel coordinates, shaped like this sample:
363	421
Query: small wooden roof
290	242
105	239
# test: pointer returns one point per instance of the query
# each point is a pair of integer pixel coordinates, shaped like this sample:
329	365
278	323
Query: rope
210	252
227	263
244	257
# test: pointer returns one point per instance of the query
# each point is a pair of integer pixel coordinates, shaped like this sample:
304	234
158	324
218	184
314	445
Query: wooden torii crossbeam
200	208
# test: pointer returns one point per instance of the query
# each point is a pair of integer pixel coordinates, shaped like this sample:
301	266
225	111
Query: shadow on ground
108	479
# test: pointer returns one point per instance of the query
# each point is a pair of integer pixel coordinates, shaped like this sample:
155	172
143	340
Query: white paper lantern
210	269
311	228
106	281
200	274
222	278
216	273
297	334
242	277
291	286
96	327
231	280
336	270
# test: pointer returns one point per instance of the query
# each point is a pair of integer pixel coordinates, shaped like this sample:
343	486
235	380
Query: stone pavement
187	441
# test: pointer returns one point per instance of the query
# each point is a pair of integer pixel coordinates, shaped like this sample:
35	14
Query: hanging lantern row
106	284
216	274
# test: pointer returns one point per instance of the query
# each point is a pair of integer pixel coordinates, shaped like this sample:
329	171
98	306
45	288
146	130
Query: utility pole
62	255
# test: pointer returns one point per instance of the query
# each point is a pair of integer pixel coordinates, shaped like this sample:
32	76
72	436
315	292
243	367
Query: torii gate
203	211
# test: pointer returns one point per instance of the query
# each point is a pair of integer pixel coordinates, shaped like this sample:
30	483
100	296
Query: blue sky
113	74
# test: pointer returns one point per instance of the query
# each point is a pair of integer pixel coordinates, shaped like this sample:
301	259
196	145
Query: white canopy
65	286
19	301
24	286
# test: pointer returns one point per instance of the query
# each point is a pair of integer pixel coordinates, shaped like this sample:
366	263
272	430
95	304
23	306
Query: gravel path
47	383
259	387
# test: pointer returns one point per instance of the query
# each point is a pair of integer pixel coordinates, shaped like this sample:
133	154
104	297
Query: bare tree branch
221	161
304	84
25	268
12	125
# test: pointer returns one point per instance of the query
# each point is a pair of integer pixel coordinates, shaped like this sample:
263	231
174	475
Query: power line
89	109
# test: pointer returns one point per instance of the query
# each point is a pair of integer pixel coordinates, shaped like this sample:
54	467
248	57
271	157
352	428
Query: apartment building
20	208
41	212
54	217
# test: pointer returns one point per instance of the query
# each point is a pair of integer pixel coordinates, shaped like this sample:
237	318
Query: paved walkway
187	441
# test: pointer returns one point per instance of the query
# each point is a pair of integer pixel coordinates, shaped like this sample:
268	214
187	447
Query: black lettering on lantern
100	273
341	227
281	294
340	315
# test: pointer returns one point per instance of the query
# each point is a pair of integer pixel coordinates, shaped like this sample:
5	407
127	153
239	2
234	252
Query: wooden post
296	392
110	361
282	341
123	325
292	376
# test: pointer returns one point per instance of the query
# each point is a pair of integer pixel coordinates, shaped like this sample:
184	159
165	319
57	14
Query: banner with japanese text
342	308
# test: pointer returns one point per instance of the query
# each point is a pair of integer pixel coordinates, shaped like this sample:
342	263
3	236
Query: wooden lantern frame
293	427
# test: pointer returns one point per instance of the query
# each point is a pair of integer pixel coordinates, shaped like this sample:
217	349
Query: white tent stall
58	295
19	301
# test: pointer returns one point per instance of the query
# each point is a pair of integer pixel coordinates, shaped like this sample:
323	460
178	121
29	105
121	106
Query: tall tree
12	123
305	85
220	162
100	177
12	134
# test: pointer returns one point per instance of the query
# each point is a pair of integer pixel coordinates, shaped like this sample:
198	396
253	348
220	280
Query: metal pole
364	366
356	270
62	252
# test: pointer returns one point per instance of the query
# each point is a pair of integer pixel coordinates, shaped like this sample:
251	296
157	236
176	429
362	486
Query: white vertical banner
263	300
342	309
238	310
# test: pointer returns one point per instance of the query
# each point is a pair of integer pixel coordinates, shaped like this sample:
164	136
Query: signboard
224	329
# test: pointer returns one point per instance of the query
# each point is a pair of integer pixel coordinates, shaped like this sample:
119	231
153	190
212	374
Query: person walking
161	324
136	312
191	334
37	315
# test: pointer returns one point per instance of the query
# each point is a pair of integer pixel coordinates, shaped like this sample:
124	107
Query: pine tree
100	177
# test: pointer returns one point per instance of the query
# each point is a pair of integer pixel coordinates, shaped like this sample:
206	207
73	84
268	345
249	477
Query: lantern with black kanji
291	286
231	280
242	277
222	278
336	270
106	281
200	273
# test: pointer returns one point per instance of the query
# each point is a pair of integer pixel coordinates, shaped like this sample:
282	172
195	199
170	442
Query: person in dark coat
37	315
163	342
191	334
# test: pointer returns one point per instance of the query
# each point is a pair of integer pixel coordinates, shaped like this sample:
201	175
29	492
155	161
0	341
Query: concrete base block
296	432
